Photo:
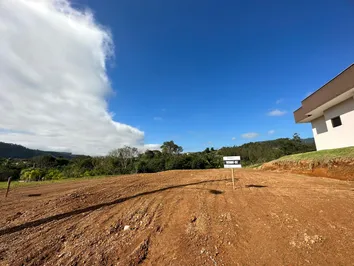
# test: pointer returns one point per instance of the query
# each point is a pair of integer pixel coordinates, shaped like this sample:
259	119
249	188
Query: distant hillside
264	151
9	150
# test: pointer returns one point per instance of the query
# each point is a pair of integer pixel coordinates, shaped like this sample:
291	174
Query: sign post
8	186
233	179
232	162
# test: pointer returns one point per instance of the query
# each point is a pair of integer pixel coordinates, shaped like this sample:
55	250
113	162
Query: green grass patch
321	156
16	183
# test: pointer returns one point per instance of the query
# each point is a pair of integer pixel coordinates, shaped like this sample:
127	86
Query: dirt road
181	218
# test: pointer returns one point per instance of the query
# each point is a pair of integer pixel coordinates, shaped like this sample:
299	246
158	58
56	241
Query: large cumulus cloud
53	81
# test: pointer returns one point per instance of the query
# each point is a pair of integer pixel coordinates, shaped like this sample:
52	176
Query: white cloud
151	147
233	138
157	118
250	135
271	132
279	101
277	112
53	80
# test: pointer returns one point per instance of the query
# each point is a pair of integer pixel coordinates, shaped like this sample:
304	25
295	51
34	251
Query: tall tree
296	137
169	147
207	150
125	154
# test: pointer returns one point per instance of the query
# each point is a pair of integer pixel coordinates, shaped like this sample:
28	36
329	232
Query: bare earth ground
181	218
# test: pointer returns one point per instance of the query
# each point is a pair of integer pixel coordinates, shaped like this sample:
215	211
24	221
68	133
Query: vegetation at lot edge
128	160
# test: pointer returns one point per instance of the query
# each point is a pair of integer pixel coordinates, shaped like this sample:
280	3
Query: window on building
336	122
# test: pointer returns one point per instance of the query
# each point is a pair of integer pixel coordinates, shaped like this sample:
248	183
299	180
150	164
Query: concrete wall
327	137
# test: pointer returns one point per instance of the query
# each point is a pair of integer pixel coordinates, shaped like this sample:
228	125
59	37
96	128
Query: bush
31	174
6	172
198	162
178	162
53	174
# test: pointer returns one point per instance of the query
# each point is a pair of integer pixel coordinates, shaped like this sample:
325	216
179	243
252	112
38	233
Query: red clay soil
181	218
338	169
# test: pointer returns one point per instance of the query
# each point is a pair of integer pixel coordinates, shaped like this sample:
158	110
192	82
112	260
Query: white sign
232	162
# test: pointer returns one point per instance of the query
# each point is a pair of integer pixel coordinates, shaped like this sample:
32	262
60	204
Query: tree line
265	151
128	160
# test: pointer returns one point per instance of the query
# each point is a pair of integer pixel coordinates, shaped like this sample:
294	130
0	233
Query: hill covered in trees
9	150
37	165
265	151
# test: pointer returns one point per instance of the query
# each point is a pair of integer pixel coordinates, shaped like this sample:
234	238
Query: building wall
327	137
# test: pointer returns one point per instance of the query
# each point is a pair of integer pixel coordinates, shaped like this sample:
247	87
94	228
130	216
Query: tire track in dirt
92	216
65	201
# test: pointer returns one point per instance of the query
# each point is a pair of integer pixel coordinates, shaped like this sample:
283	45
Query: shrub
32	174
53	174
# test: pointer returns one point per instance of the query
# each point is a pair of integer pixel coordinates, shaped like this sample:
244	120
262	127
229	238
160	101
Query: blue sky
204	72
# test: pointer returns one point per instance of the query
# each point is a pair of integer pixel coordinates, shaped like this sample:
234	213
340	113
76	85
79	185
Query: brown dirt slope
333	163
342	169
181	218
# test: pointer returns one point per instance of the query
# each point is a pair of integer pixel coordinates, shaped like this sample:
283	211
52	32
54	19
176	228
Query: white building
330	110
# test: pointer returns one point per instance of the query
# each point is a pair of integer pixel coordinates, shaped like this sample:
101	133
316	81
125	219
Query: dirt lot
181	218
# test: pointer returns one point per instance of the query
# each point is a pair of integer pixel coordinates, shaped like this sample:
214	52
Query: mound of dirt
342	169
